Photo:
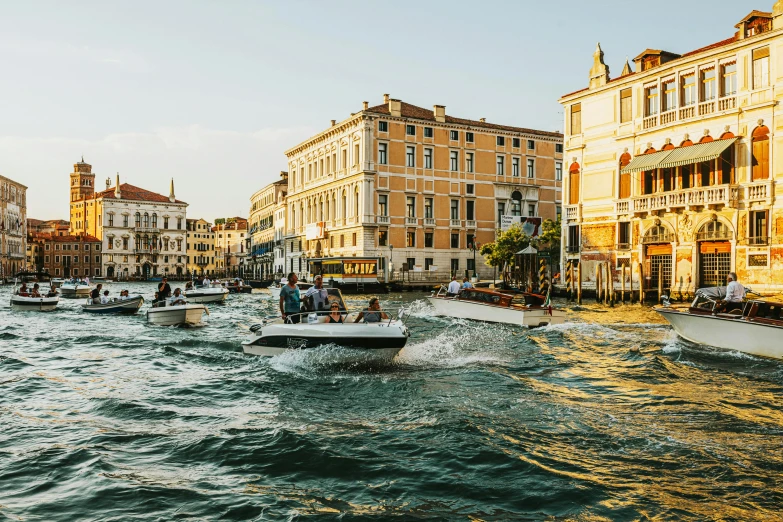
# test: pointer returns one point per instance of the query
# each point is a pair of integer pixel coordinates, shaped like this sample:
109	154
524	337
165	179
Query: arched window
714	229
760	145
345	205
625	177
573	183
154	221
326	209
146	220
356	203
138	219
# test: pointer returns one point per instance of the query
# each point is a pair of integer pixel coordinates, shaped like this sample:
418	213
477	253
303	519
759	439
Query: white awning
696	153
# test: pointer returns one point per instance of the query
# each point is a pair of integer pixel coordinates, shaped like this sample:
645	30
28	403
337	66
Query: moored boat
517	308
756	329
56	282
116	306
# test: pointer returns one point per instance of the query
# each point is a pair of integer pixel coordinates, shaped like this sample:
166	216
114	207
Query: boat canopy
712	292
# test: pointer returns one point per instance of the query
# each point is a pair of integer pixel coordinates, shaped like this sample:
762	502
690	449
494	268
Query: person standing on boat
290	301
206	282
95	294
164	290
454	286
318	294
735	293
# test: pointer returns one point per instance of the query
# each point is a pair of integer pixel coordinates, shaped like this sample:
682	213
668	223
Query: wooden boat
519	308
34	304
116	306
754	329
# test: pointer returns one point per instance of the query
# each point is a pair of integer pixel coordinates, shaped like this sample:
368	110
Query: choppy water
609	417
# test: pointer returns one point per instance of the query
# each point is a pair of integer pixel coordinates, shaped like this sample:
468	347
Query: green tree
549	237
501	252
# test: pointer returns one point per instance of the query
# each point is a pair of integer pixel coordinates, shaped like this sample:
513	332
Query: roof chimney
483	120
108	183
365	105
395	107
334	122
171	191
117	193
385	98
440	113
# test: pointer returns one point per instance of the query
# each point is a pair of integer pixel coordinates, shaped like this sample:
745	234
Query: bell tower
82	181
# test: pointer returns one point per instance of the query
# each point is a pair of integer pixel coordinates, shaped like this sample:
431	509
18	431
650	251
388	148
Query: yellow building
201	247
673	165
13	218
416	187
261	232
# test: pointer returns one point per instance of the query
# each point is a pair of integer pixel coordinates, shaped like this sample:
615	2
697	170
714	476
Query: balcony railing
725	104
664	237
691	111
411	221
706	108
668	117
759	191
429	222
573	212
470	223
687	112
456	222
622	206
146	230
572	249
650	122
720	234
725	195
384	220
755	241
623	246
146	251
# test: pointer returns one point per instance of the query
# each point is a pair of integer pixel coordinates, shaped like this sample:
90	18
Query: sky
212	93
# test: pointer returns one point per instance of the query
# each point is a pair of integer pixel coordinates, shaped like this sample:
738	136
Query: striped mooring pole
542	282
567	279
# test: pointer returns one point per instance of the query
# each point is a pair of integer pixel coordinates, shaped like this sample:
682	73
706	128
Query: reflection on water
607	417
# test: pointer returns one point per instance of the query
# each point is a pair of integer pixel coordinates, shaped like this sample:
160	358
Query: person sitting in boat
735	294
35	291
105	297
334	313
23	291
124	295
316	296
454	287
52	293
177	298
373	313
95	295
189	286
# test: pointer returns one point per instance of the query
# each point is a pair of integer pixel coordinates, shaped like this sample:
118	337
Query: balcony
759	192
382	220
456	223
650	122
146	230
573	212
725	104
716	234
429	222
623	246
706	108
411	221
662	237
622	206
755	241
717	195
146	251
470	223
668	117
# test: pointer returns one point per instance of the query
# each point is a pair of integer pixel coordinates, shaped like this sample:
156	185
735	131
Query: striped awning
647	161
696	153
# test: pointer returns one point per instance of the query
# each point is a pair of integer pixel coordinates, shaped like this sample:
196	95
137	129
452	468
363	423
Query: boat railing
399	313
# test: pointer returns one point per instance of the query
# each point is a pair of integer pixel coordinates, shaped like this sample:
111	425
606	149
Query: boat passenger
373	313
735	293
316	296
35	292
23	291
164	290
124	295
105	297
95	295
334	314
454	287
466	283
189	286
206	282
290	301
177	298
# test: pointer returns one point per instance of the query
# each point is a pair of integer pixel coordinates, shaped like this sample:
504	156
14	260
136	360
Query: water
609	417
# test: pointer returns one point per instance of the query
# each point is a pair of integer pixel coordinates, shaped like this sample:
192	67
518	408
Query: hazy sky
212	92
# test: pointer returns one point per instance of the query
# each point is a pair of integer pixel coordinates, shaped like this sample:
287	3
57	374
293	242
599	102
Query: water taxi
74	288
214	293
130	305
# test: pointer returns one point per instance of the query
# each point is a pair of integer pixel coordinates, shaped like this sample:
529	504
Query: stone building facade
415	186
67	255
13	220
201	247
261	241
673	165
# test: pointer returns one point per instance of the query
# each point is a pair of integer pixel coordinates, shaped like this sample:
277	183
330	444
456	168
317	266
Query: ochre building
673	164
201	247
415	186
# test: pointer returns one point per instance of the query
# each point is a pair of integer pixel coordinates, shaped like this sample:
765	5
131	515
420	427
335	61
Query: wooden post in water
660	285
641	283
598	283
622	284
579	282
610	274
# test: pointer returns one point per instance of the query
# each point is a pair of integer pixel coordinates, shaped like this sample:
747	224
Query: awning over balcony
680	156
696	153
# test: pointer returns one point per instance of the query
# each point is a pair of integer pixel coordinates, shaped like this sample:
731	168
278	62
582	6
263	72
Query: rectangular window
454	135
531	168
469	162
427	158
651	94
454	266
623	235
344	164
428	132
111	220
500	165
410	239
758	228
454	240
708	84
383	126
515	167
356	154
576	118
501	211
501	141
410	130
531	211
468	137
428	208
515	143
454	160
428	241
688	90
411	262
516	207
353	239
410	206
728	73
669	96
410	157
470	210
760	68
383	150
572	245
428	262
383	237
531	145
125	221
558	171
56	259
626	106
454	209
342	240
470	188
559	148
760	159
383	205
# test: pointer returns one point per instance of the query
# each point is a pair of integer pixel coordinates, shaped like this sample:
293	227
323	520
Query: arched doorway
179	271
146	270
714	239
110	272
658	257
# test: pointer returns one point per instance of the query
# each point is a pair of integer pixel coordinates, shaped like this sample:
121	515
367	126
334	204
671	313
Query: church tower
82	181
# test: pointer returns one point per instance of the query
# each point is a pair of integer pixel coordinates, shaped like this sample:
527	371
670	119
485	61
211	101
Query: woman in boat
189	286
35	292
334	314
373	313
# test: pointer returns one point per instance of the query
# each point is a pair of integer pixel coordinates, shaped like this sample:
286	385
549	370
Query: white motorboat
275	289
376	340
214	293
518	308
34	304
754	329
176	315
116	306
74	288
56	282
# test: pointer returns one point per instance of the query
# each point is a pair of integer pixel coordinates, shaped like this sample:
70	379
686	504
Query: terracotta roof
70	238
129	191
727	41
412	111
32	222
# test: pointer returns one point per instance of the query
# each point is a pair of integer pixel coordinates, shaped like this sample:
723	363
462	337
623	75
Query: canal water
608	417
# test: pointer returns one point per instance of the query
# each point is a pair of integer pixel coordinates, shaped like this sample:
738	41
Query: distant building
57	227
230	248
416	186
67	256
13	218
261	234
143	233
673	165
201	247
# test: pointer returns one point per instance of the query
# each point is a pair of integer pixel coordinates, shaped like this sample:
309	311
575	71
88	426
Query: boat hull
34	304
197	296
731	334
189	314
71	291
531	317
257	283
128	306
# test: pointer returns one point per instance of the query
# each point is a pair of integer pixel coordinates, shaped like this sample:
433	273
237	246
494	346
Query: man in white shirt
319	295
177	298
454	286
206	282
105	297
735	293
